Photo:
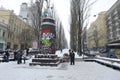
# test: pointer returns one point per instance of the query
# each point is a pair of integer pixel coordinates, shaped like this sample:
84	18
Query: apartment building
90	37
16	27
24	12
84	39
3	28
113	23
96	34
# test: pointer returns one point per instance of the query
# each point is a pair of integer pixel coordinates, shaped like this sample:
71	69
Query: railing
111	62
109	59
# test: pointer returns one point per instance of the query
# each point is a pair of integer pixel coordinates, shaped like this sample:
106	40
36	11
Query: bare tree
57	22
80	14
36	17
73	26
26	37
96	36
60	36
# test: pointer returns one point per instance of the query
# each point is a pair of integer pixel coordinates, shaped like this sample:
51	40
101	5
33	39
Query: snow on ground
79	71
60	54
65	71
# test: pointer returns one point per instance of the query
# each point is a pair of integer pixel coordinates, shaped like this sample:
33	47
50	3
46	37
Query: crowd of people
19	55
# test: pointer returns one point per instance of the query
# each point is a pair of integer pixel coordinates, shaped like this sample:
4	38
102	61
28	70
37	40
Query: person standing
61	50
24	55
19	57
70	54
15	55
72	57
27	51
6	56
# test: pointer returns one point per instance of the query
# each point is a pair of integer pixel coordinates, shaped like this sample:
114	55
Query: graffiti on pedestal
47	41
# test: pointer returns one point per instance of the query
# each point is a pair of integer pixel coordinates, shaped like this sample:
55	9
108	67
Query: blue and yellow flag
45	10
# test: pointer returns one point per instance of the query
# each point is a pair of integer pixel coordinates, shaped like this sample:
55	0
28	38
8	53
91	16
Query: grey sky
101	5
62	7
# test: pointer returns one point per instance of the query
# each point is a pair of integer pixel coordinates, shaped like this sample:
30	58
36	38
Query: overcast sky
62	7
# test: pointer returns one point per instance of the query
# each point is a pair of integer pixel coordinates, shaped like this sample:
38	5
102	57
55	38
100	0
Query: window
1	45
3	33
0	30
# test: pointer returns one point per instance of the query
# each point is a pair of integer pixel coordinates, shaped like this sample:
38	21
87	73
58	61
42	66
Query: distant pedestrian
27	51
24	55
15	55
19	57
61	50
6	56
72	57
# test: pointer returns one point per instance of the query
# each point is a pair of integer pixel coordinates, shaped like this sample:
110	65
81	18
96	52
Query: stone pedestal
45	60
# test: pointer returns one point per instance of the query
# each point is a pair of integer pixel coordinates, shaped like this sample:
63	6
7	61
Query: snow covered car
65	57
34	51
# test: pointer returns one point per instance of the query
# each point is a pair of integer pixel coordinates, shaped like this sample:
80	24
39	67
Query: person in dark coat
61	50
19	57
27	51
6	56
72	57
15	55
24	56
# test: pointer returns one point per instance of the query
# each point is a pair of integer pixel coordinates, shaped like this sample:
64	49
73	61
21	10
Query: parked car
1	51
103	51
65	57
34	51
10	50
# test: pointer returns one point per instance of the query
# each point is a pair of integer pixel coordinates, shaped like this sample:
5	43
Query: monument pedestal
45	60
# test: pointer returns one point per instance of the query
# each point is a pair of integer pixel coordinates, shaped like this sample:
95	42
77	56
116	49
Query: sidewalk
98	53
65	71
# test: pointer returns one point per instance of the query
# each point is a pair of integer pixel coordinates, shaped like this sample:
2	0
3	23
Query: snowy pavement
79	71
64	71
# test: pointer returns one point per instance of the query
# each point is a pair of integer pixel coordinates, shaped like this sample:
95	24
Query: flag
45	10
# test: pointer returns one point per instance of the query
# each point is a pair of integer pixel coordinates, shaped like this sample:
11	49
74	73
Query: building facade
113	28
90	37
96	34
84	39
16	27
29	13
3	29
113	23
24	12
